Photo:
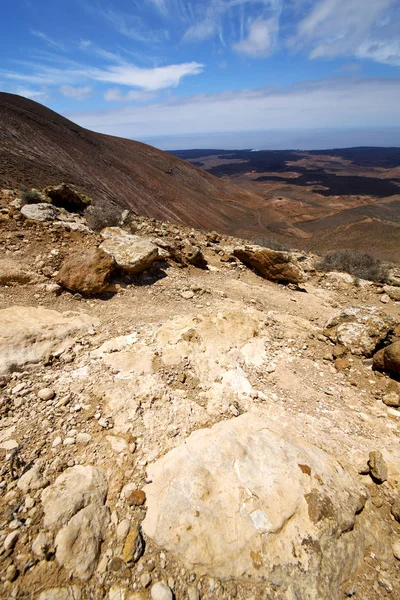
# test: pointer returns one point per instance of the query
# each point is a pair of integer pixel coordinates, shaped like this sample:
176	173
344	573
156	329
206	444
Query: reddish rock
136	498
271	264
342	364
86	272
392	357
378	363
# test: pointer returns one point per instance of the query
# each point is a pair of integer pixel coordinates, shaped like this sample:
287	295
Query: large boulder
28	335
243	500
391	358
64	196
359	329
40	212
75	506
12	272
271	264
393	292
87	272
131	253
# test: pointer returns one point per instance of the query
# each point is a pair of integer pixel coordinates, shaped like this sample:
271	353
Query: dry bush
360	265
31	197
99	216
272	244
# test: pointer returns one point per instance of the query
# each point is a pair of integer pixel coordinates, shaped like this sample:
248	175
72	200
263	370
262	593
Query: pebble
133	547
83	438
11	540
69	441
193	593
145	580
136	498
11	573
385	299
377	466
46	394
56	442
396	549
187	295
160	591
123	529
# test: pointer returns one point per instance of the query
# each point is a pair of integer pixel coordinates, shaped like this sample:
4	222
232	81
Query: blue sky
220	73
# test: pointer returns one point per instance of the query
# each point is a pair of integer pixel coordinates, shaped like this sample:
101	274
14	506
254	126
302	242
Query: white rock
83	438
11	540
385	299
78	543
28	335
123	529
74	489
193	593
31	481
117	444
40	212
160	591
42	544
68	593
396	549
131	252
56	442
46	394
239	499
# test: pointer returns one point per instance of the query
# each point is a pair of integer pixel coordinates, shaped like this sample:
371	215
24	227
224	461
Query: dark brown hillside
38	147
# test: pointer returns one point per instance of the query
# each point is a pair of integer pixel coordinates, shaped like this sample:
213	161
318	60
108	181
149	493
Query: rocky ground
173	424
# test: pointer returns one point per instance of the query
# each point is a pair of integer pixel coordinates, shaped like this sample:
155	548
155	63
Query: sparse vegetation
31	197
103	215
272	244
360	265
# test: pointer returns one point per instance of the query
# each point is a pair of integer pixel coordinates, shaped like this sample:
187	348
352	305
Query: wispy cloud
53	43
116	95
77	93
357	28
131	26
341	102
260	38
125	74
32	94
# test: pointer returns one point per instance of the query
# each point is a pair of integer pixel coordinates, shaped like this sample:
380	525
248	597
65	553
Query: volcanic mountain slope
38	147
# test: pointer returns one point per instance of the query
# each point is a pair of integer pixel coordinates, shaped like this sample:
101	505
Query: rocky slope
38	147
175	424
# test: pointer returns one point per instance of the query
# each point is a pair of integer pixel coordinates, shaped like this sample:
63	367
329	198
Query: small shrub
99	216
360	265
272	244
31	197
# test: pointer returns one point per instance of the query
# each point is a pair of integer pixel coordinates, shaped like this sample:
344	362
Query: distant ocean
300	139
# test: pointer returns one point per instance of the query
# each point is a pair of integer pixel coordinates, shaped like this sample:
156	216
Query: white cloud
259	40
358	28
48	40
78	93
158	78
330	103
122	74
32	94
115	95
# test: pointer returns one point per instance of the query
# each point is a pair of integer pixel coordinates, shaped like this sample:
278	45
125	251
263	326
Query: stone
193	593
30	334
359	329
145	580
187	294
385	299
133	547
83	438
393	292
72	491
392	399
378	361
46	394
64	196
377	466
136	498
242	499
192	255
86	272
11	540
273	265
396	549
40	212
12	272
31	481
161	591
78	543
131	253
43	545
68	593
395	510
391	357
123	529
342	364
